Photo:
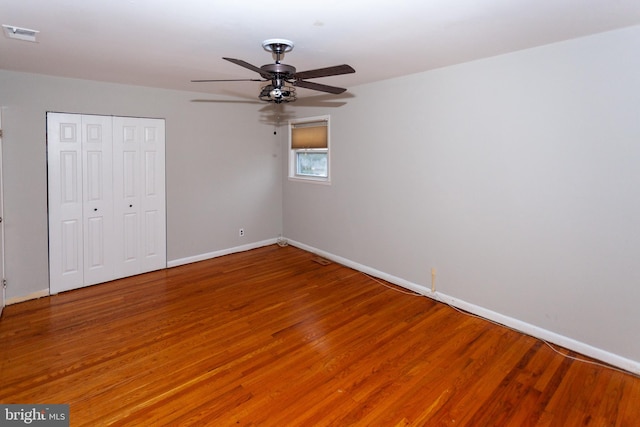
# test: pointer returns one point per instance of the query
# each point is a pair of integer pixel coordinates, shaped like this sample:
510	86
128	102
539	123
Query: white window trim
292	152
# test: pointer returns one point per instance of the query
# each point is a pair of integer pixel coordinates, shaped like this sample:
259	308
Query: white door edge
2	277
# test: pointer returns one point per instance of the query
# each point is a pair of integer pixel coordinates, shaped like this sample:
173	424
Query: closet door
80	200
153	202
139	195
64	150
97	189
106	198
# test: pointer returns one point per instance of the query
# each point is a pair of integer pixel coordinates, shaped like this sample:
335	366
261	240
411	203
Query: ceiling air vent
20	33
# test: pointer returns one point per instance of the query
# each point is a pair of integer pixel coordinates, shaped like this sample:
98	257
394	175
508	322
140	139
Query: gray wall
517	177
223	168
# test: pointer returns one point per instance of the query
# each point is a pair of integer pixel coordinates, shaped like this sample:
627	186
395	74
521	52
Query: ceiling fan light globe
276	93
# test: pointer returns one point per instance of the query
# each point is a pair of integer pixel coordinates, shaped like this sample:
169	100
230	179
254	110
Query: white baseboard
222	252
510	322
173	263
32	295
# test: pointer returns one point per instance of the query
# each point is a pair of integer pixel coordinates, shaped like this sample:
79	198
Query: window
309	149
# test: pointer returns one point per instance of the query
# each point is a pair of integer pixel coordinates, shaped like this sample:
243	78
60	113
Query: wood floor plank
269	337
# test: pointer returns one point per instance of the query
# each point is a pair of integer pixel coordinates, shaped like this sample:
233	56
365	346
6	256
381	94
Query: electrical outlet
241	232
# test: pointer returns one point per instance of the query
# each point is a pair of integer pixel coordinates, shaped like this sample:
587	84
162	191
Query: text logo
36	415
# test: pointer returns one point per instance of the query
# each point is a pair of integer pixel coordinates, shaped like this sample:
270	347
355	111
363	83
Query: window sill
311	180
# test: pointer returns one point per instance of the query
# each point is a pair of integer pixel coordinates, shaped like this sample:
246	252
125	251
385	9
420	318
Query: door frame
3	282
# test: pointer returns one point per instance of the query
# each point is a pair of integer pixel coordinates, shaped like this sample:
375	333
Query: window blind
309	135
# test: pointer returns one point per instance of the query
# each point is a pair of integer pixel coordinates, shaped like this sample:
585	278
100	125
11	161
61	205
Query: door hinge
4	283
0	133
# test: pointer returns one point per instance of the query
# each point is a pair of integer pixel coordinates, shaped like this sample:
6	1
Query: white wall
517	177
223	168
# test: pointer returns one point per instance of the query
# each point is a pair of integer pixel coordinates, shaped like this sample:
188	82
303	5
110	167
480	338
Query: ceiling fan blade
318	86
228	80
324	72
245	64
227	101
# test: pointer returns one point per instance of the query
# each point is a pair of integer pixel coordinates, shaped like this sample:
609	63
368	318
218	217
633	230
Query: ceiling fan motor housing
283	69
278	73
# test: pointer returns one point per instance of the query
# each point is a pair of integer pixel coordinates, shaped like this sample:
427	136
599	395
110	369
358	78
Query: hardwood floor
270	338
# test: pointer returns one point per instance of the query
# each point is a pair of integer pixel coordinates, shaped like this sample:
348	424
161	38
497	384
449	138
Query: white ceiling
166	43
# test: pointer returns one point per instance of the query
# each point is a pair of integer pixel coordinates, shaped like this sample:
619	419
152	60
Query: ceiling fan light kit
283	78
269	93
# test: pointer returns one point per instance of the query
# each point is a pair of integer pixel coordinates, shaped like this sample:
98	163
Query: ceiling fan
283	78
